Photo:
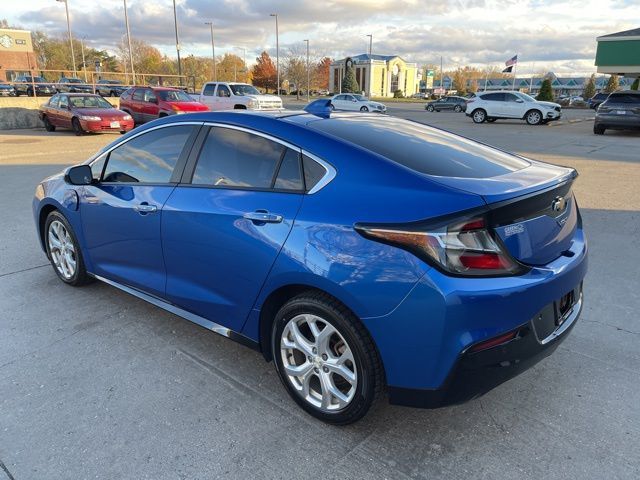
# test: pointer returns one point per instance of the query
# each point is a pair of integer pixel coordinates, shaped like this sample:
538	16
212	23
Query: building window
363	82
382	83
394	82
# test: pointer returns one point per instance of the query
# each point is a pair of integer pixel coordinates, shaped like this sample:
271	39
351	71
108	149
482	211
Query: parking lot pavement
97	384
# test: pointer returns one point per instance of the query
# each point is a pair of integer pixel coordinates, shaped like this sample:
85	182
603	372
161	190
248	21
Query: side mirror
79	175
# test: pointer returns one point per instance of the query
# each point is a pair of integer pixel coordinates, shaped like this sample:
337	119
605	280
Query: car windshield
174	96
74	80
244	89
525	97
361	98
34	79
623	98
89	102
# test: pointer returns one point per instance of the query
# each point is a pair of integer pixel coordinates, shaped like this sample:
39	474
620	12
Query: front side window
54	101
232	158
510	97
223	91
64	101
149	96
149	158
139	94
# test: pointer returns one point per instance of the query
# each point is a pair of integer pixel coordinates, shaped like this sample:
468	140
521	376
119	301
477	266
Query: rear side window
421	148
289	175
313	172
232	158
149	158
624	98
209	88
493	97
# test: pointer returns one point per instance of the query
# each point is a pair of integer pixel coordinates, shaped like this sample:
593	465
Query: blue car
363	254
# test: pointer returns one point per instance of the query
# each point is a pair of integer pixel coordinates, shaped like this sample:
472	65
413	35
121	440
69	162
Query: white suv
235	96
490	106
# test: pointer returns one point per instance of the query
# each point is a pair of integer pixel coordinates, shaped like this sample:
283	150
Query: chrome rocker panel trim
192	317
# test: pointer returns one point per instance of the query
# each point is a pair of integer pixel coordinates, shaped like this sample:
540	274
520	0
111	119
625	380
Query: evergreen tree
349	82
636	84
589	87
546	92
613	84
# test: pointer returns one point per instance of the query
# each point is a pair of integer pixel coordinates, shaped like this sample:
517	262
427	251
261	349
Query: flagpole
533	69
515	68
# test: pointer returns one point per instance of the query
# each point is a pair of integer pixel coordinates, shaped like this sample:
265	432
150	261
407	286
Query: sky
547	35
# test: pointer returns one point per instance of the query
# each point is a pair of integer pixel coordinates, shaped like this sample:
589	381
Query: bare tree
296	69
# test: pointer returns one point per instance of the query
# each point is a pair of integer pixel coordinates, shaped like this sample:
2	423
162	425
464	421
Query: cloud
560	33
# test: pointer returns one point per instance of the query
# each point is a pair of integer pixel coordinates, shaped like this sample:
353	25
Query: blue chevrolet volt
365	255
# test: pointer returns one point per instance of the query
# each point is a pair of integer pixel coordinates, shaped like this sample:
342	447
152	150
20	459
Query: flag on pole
509	69
512	61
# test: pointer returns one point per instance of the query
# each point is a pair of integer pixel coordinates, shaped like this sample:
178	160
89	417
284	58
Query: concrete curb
573	120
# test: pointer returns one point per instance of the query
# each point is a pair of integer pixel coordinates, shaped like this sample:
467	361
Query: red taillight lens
493	342
462	248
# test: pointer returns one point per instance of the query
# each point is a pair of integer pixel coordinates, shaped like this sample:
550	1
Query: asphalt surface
96	384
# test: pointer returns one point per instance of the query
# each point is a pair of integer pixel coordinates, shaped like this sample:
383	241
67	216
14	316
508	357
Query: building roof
365	56
635	32
558	83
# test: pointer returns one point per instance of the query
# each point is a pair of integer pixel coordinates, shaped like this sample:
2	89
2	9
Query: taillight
461	248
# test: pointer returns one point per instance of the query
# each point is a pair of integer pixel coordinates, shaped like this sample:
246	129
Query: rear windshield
624	98
421	148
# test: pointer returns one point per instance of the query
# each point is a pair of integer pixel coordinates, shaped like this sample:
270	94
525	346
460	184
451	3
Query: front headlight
126	117
90	118
252	104
175	108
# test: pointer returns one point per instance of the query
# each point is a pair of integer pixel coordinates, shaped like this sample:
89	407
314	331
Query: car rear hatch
532	210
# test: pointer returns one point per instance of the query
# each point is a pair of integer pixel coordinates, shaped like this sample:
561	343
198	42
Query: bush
398	94
636	84
546	92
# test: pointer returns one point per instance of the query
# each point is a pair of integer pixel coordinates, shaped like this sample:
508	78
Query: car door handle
262	216
145	208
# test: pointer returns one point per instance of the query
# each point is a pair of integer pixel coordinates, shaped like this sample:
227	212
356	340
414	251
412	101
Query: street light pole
84	65
277	55
213	52
308	74
73	56
126	22
175	21
370	43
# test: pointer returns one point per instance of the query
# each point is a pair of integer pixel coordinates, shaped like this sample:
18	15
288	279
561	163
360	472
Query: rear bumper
617	121
476	373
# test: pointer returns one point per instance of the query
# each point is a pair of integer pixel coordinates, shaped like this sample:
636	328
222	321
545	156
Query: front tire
598	130
430	108
77	128
457	109
479	116
326	359
364	109
64	251
533	117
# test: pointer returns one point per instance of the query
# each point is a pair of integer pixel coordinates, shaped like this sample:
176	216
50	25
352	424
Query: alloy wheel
318	363
62	249
534	117
479	116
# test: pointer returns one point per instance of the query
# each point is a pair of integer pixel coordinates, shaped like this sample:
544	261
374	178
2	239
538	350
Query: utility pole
175	21
308	71
441	77
126	22
213	52
370	43
73	56
277	55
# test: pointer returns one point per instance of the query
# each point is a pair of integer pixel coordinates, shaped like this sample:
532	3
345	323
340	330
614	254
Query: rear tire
334	373
534	117
479	116
47	125
64	251
77	128
599	130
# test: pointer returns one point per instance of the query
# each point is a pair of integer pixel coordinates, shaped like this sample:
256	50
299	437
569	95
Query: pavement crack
6	470
24	270
612	326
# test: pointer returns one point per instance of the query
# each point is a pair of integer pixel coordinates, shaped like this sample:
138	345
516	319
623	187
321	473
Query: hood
189	106
549	104
100	112
375	103
263	97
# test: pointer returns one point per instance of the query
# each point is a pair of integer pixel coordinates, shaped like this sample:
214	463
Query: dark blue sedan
361	253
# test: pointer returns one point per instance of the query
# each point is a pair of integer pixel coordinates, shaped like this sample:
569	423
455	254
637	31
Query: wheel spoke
343	371
299	370
299	340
